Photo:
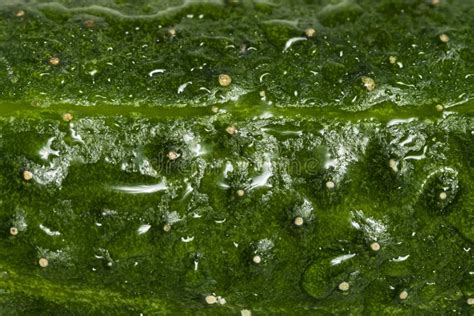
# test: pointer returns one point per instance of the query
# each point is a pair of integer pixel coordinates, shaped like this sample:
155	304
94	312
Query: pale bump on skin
310	32
27	175
13	231
89	24
444	38
245	312
443	196
393	164
330	185
375	246
392	59
67	117
257	259
344	286
167	227
43	262
172	155
231	130
240	192
403	295
211	299
298	221
54	61
369	83
224	80
439	108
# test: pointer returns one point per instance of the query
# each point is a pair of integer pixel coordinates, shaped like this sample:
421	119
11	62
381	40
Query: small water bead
240	192
225	80
344	286
403	295
167	227
43	262
443	195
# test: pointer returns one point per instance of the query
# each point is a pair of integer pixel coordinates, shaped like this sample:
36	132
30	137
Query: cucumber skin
296	276
107	50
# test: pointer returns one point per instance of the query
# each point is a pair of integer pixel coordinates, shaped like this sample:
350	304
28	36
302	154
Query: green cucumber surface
127	230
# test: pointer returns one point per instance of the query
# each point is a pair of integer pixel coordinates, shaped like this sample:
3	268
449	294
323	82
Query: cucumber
236	157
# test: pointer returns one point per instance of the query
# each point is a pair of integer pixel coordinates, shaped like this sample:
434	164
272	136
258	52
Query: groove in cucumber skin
85	211
110	52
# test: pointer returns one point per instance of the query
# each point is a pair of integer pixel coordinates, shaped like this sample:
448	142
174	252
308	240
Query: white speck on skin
263	76
143	229
187	239
137	189
46	150
400	258
291	41
48	231
183	86
262	180
156	71
342	258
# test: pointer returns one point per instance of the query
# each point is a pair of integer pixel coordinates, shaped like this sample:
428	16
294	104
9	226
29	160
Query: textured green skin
295	277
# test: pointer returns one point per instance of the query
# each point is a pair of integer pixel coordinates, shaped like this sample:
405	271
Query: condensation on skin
373	229
48	231
342	258
138	189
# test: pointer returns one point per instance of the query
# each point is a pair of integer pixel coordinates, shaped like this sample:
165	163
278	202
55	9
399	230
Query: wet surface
330	173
